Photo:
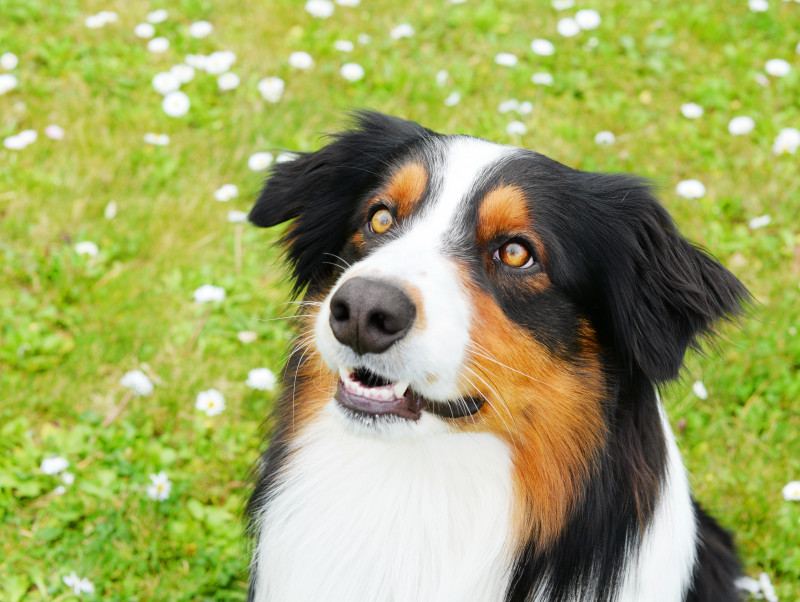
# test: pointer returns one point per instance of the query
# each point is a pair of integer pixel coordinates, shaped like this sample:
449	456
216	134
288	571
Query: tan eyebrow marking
406	187
504	210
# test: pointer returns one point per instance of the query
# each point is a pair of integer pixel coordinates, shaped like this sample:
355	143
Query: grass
71	325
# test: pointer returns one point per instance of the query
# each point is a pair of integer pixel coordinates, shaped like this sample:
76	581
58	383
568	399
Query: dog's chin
372	400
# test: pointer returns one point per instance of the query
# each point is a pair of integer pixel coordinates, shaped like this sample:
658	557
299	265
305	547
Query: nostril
377	320
340	311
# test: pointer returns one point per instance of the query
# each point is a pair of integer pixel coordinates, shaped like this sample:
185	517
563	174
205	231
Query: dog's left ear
321	191
654	293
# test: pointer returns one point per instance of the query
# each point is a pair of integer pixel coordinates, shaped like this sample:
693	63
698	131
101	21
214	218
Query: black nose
369	315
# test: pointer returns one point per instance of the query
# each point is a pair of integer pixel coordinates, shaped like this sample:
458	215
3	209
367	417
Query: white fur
362	517
430	359
663	571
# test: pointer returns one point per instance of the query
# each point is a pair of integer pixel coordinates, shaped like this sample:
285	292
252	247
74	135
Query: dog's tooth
399	388
344	374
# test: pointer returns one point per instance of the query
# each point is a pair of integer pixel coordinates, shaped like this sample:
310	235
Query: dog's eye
381	221
514	254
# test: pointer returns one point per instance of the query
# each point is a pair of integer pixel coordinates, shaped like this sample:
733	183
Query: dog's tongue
408	406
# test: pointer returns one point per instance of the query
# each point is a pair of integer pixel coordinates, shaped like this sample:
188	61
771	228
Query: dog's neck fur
354	515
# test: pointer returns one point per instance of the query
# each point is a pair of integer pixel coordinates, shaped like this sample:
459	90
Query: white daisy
285	157
176	104
9	61
7	83
53	466
54	132
525	107
260	161
759	222
237	217
748	584
67	478
219	62
165	82
452	100
208	293
28	136
200	29
766	588
739	126
604	137
157	16
507	106
563	4
271	88
344	45
14	142
156	139
441	77
262	379
158	45
506	59
321	9
758	6
184	73
404	30
352	72
60	490
160	487
110	212
516	128
300	60
109	16
138	382
94	22
587	19
791	491
542	47
777	67
78	585
348	2
786	142
699	389
144	31
363	39
761	79
691	110
568	27
226	192
246	336
228	81
87	247
543	79
211	402
690	189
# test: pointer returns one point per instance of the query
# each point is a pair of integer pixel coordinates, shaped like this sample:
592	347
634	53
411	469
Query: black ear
654	294
321	191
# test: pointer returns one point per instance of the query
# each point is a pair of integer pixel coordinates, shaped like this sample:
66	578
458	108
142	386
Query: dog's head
483	287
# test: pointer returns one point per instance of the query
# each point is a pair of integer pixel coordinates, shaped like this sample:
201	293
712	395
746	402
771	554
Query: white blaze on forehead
465	160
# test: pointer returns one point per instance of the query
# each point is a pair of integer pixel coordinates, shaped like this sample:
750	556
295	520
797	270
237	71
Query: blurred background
138	339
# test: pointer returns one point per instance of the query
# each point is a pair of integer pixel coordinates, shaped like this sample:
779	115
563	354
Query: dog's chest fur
360	517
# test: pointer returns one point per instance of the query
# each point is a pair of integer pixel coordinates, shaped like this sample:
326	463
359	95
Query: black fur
616	261
717	564
322	190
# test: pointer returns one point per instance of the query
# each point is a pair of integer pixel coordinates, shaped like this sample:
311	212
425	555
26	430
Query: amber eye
381	221
514	254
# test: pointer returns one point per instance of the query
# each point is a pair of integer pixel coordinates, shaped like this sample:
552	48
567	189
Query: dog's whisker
499	400
477	351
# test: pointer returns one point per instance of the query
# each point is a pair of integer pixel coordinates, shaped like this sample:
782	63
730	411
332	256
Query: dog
471	411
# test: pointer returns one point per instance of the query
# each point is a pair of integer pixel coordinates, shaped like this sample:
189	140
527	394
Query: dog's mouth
364	392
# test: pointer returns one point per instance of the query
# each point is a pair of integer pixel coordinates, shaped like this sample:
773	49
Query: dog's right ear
321	191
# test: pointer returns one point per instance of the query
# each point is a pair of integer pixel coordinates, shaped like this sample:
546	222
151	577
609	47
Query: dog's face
458	284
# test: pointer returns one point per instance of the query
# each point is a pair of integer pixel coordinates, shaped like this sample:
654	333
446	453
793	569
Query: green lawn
72	325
